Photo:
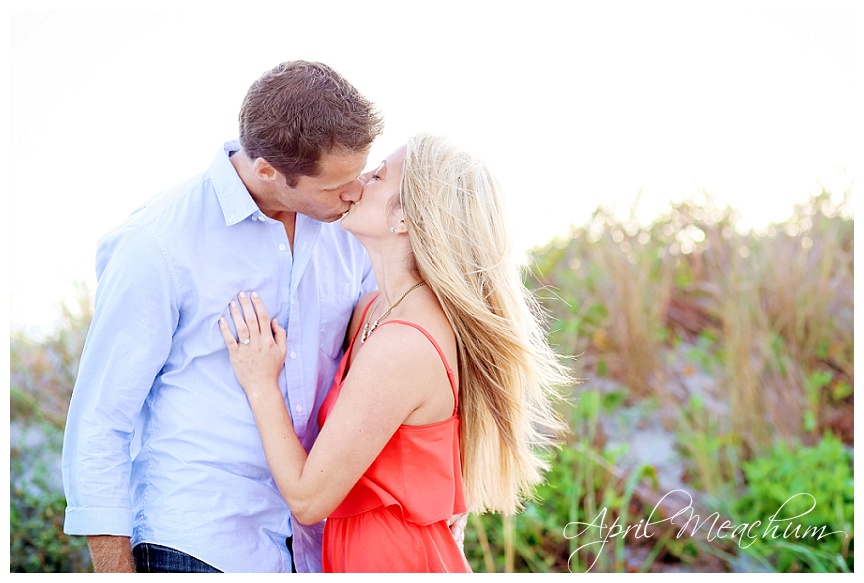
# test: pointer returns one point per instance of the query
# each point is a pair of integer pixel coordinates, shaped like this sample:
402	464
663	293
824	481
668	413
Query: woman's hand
258	355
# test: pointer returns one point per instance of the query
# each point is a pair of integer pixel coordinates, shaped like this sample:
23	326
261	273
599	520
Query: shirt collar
234	198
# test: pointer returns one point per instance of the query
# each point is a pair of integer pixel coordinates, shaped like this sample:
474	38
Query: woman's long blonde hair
508	374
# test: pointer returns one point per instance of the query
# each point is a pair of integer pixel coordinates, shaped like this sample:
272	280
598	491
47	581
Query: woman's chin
342	222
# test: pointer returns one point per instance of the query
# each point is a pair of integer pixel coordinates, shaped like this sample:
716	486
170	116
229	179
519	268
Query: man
161	452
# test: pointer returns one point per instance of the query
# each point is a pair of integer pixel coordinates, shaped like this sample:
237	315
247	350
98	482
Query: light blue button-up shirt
160	442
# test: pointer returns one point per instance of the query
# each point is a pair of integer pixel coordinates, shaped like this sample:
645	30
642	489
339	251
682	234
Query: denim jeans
150	558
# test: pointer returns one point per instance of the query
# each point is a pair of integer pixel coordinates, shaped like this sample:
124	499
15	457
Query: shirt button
299	408
281	246
293	355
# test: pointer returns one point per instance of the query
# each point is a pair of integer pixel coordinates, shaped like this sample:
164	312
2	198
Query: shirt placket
291	375
300	390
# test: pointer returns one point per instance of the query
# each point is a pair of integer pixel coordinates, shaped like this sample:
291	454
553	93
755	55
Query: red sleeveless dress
395	517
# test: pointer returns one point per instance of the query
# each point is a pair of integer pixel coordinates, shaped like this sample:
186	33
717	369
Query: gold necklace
368	328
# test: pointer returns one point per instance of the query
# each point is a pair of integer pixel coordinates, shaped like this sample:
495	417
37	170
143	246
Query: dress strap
449	370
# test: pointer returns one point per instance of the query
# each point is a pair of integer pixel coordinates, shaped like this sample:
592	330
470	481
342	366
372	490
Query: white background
573	104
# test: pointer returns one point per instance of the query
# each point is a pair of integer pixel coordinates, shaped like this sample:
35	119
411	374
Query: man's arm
128	343
111	554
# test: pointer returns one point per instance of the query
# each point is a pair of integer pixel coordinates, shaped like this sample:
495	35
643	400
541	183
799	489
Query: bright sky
572	107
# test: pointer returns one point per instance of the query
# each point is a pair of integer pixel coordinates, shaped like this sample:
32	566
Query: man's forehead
343	160
339	168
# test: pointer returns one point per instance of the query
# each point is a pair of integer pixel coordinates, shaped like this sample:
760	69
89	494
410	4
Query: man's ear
264	171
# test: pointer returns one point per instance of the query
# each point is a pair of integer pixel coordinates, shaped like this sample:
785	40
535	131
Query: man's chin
329	218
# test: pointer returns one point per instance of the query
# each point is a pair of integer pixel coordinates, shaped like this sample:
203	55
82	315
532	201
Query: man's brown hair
301	110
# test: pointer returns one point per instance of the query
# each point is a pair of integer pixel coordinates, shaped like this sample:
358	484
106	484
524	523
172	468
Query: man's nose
352	191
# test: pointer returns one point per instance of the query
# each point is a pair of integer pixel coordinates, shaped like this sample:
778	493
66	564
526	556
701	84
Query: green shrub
37	507
559	530
42	373
789	481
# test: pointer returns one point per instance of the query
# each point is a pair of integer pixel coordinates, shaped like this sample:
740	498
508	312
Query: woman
446	388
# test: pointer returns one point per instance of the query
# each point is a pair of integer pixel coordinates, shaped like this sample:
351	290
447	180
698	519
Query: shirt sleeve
307	544
129	340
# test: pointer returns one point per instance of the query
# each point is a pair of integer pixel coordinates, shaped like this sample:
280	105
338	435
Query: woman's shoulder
414	362
402	347
365	300
422	333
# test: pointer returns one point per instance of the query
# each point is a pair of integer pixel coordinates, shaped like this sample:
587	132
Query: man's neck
243	166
